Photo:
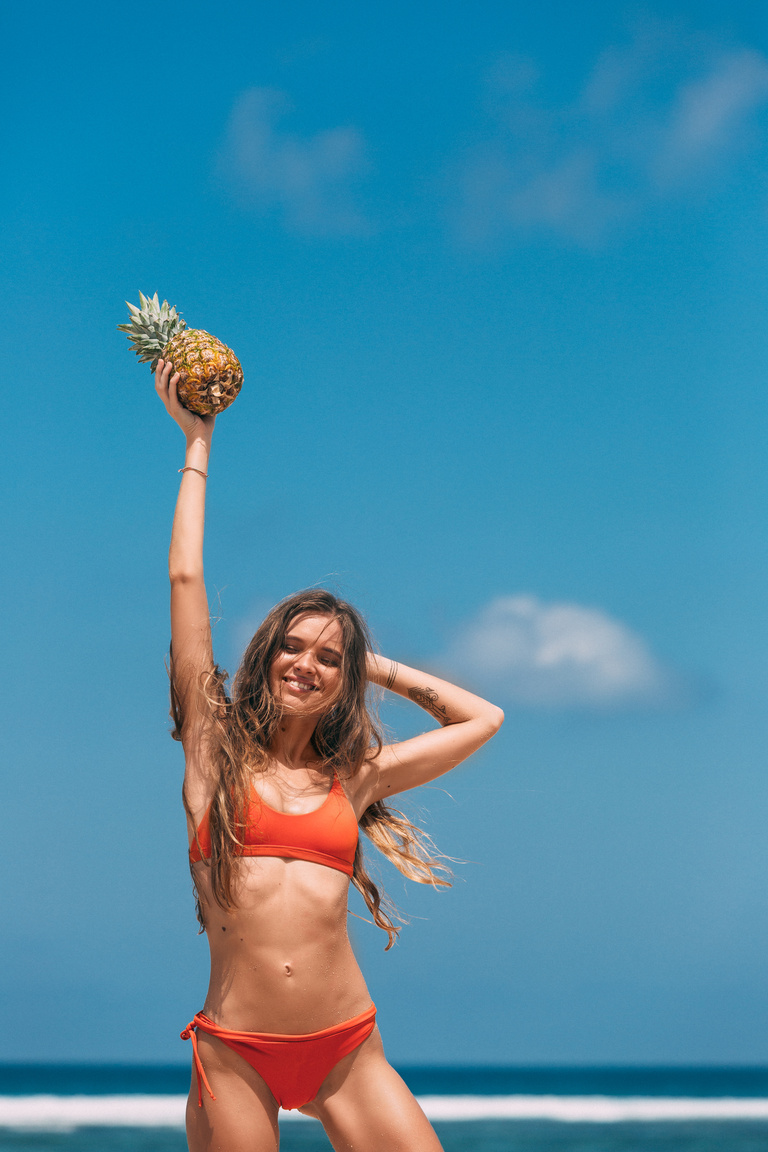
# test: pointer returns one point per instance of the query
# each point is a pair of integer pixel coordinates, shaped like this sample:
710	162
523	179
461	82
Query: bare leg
365	1106
243	1117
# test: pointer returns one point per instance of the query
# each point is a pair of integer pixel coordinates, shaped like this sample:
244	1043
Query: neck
292	742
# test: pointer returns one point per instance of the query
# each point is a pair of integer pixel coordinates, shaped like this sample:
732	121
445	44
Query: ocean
93	1108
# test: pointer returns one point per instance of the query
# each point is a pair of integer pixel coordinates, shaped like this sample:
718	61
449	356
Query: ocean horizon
698	1081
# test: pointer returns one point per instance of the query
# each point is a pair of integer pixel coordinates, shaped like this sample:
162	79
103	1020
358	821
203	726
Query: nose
304	662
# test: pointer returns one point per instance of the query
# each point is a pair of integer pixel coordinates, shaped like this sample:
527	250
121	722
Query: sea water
464	1136
141	1109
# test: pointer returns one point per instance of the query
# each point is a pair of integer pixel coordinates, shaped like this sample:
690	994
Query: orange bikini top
328	835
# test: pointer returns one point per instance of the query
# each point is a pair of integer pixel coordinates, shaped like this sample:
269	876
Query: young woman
278	778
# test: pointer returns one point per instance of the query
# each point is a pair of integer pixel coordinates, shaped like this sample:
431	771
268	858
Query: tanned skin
281	961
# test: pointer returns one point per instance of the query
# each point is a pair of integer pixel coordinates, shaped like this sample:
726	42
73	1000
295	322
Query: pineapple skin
210	373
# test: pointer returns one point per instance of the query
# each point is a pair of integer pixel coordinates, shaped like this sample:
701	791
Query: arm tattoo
427	699
392	674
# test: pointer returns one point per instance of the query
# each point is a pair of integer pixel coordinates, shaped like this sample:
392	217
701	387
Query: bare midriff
281	961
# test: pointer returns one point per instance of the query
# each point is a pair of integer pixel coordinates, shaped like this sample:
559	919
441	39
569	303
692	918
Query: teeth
301	687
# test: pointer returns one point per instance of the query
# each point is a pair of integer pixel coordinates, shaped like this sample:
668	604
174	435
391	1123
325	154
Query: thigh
243	1117
365	1106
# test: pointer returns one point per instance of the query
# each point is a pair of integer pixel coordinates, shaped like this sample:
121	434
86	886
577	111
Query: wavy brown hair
242	725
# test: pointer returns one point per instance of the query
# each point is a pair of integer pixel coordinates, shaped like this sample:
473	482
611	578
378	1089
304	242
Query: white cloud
311	180
709	113
651	119
558	655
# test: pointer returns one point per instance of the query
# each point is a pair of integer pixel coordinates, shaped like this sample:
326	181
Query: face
306	672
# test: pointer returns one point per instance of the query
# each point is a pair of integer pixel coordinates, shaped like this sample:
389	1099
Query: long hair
240	730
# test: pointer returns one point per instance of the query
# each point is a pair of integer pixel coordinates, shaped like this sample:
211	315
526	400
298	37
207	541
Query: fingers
172	387
165	383
162	375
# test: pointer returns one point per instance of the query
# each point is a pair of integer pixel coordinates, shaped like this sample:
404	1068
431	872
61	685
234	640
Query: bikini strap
189	1033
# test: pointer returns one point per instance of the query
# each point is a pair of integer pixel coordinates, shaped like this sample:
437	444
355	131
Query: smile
299	685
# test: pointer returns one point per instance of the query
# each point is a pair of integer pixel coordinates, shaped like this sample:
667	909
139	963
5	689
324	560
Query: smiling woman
281	770
314	641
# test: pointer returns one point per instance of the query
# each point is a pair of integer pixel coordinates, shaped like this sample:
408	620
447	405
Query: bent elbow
496	719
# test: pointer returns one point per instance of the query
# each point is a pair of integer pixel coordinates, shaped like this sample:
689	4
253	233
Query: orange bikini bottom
292	1067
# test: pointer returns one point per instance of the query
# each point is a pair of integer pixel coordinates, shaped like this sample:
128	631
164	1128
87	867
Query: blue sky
497	280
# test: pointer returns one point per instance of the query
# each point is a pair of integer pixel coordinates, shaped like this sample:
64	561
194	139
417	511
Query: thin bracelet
189	468
392	675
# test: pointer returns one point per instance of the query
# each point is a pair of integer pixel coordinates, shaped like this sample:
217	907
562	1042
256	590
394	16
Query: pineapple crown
151	327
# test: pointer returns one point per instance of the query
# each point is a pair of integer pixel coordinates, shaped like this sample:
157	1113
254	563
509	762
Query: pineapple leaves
151	327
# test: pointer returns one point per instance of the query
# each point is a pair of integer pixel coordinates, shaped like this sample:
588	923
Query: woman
277	780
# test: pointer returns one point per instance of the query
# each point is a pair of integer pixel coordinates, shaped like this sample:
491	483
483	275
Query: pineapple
210	373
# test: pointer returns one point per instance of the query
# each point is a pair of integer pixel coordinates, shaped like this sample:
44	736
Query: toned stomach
281	961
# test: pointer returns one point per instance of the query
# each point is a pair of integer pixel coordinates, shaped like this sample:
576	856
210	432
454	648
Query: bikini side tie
189	1033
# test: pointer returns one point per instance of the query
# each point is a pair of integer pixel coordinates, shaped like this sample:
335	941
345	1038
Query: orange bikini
293	1067
328	835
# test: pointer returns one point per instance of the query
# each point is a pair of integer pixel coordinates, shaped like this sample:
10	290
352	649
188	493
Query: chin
302	706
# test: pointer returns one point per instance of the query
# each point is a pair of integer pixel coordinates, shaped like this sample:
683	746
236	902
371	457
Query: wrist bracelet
189	468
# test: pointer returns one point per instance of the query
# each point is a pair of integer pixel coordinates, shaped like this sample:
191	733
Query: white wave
68	1112
596	1109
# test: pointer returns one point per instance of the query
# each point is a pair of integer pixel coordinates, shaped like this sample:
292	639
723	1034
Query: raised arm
466	720
191	654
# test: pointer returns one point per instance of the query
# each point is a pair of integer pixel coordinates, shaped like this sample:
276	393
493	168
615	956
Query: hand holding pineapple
192	425
209	373
198	433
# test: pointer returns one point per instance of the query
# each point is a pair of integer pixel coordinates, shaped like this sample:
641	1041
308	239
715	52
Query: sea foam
69	1112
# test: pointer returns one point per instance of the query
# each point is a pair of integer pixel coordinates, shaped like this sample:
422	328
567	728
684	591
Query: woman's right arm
191	650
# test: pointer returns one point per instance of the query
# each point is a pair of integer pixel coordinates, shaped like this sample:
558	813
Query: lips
303	686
